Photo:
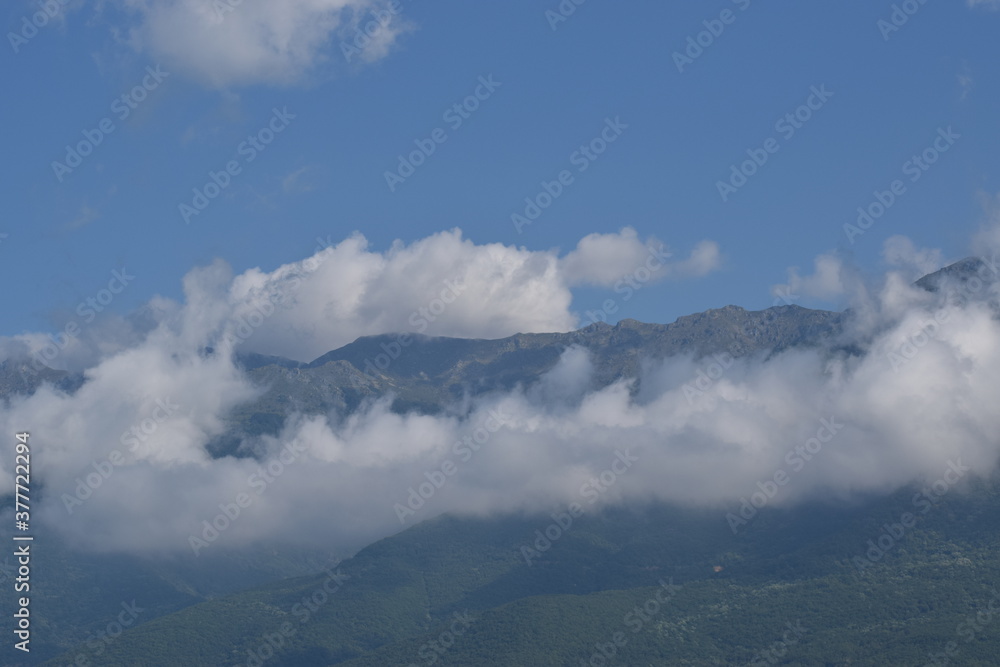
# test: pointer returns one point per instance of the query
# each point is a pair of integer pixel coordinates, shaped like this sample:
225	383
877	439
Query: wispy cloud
965	82
297	181
225	43
86	215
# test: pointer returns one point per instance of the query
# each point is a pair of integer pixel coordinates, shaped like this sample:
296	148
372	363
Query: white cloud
918	396
704	258
86	215
295	182
224	43
827	281
966	83
603	259
900	252
987	239
442	285
343	486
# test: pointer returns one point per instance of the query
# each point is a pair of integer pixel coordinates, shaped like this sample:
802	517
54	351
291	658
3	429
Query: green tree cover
796	567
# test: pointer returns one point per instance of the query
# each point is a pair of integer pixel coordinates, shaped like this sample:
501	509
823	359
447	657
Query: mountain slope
425	374
422	577
396	596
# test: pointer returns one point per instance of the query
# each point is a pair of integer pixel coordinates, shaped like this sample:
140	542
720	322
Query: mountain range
645	584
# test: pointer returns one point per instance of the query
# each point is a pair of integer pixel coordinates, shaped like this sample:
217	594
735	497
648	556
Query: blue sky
819	108
324	174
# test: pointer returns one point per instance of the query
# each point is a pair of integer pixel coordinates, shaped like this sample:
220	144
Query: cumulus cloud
224	43
705	258
918	393
442	285
827	282
603	259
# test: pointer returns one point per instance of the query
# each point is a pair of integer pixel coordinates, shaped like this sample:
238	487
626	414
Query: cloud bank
123	463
